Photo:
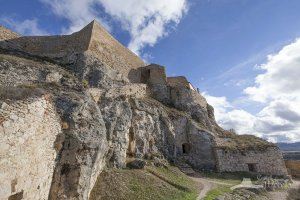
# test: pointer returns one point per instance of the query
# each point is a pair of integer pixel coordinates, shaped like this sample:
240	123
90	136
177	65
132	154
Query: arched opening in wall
186	148
131	143
252	167
145	75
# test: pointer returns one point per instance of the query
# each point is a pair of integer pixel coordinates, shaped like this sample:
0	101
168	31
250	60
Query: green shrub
85	83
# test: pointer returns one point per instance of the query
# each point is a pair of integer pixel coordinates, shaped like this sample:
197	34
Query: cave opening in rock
131	144
145	75
186	148
252	167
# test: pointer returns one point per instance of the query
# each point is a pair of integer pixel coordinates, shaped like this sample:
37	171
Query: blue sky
221	46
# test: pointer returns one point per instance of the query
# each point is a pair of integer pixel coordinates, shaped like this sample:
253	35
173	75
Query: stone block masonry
268	161
179	81
64	48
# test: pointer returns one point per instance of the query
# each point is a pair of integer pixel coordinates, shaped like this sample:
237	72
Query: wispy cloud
78	12
277	88
146	21
26	27
241	74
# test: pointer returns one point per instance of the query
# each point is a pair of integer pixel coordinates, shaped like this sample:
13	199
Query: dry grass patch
128	184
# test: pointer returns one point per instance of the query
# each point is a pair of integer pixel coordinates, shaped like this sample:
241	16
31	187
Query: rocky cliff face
62	122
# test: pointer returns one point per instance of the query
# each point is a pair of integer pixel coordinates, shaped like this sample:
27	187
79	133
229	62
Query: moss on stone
245	142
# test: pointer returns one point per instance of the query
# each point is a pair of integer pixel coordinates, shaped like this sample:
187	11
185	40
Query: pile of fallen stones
271	184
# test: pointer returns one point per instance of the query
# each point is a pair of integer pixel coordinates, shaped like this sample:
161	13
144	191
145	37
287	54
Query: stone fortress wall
153	74
193	144
152	114
113	53
53	46
202	152
180	81
268	161
64	48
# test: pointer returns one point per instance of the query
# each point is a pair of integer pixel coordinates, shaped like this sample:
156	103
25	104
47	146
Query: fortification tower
92	39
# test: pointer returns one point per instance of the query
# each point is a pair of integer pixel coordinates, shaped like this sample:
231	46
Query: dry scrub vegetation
150	183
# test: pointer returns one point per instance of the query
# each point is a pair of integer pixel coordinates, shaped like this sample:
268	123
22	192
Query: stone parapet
268	161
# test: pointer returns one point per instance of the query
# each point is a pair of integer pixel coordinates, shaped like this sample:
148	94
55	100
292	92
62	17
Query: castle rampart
62	48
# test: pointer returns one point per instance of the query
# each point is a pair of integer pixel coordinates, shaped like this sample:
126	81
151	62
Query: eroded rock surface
66	115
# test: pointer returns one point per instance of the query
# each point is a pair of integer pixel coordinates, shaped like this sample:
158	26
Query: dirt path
282	195
207	184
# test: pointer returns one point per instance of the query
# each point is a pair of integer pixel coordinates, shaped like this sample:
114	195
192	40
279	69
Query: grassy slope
230	179
217	191
151	183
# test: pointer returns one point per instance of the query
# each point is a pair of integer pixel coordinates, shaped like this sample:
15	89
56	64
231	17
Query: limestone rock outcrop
71	106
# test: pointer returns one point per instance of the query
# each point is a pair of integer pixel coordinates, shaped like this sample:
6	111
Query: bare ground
282	195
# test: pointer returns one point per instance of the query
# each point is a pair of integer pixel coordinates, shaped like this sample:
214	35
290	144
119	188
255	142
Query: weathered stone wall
64	48
28	129
179	81
268	161
112	53
153	74
155	77
55	47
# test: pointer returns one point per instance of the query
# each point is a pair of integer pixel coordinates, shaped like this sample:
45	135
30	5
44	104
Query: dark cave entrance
145	75
186	148
252	167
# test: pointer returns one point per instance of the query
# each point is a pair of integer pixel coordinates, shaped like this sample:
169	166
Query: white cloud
78	12
278	89
281	76
278	121
26	27
146	21
229	117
